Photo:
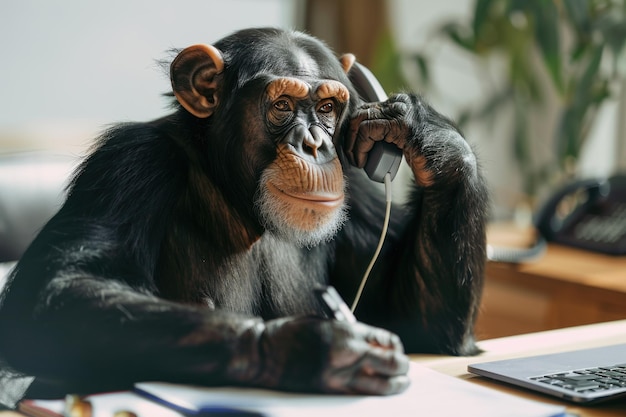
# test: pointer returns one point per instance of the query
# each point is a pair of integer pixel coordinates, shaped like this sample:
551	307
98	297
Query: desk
587	336
565	287
523	345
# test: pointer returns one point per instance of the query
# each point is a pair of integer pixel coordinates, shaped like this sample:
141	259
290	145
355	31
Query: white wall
72	66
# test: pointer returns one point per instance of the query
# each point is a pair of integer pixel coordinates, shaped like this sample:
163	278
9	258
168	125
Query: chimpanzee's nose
313	143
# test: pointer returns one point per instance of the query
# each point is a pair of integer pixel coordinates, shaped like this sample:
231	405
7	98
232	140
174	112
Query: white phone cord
383	233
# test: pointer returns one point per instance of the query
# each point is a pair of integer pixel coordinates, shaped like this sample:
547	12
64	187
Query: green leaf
521	143
620	64
612	25
589	75
386	64
459	34
464	118
578	13
546	19
517	6
567	133
423	67
481	13
578	51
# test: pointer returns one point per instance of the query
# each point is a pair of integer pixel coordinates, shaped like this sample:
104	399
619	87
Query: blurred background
536	85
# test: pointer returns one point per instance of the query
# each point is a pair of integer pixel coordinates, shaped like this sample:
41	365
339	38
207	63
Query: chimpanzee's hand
373	122
311	354
396	121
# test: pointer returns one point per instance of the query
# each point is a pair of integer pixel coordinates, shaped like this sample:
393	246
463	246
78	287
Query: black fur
156	267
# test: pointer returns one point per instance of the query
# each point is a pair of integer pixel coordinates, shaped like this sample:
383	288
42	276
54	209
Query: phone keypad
609	228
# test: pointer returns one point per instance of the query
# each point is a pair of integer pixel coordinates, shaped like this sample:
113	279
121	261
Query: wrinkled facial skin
301	194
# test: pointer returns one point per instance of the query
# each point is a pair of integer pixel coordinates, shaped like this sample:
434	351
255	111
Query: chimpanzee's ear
195	79
346	62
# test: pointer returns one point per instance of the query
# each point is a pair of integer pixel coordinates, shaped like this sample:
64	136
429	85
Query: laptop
581	376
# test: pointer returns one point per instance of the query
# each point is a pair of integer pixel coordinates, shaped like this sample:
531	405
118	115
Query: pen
189	405
334	304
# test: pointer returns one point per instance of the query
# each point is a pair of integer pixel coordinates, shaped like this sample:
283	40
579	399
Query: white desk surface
552	341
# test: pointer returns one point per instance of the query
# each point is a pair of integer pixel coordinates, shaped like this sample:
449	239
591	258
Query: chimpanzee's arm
428	287
93	334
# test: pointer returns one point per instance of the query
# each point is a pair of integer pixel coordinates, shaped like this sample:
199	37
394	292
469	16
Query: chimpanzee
189	247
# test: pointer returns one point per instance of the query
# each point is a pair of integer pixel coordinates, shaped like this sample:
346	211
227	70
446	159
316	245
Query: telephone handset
384	157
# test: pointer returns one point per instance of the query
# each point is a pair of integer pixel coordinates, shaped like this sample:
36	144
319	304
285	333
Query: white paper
430	394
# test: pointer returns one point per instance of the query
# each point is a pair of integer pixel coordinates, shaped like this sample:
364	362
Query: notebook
581	376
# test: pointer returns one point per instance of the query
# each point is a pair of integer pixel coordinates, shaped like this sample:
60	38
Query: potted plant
575	46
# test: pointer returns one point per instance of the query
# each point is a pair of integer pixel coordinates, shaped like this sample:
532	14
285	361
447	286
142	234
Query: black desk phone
384	157
588	214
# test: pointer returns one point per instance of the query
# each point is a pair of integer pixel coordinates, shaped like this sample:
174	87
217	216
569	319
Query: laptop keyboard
588	380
